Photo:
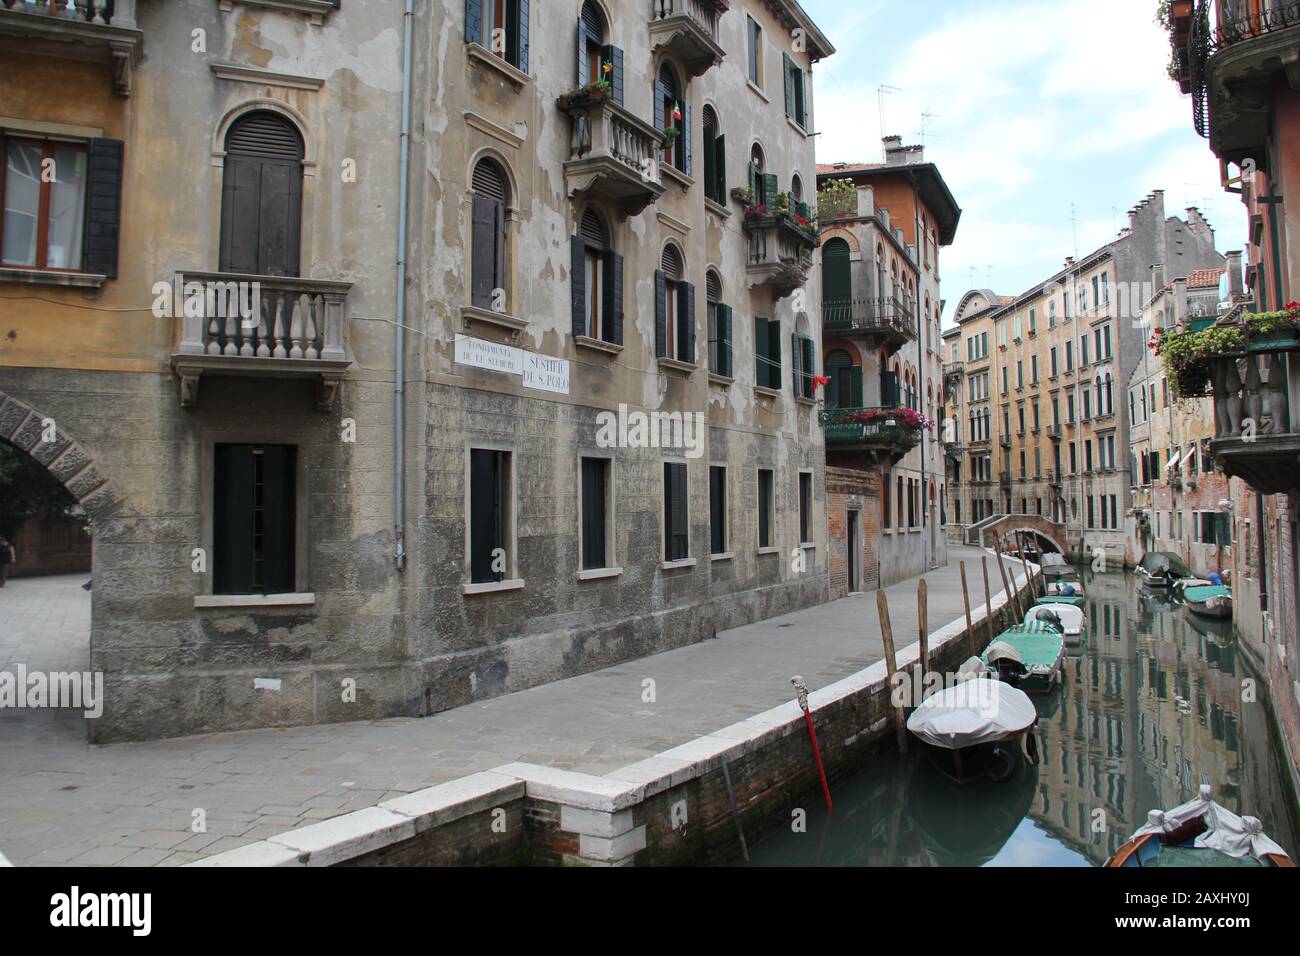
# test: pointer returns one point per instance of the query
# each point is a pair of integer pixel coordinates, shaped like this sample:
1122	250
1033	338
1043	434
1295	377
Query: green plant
1187	355
838	198
1281	320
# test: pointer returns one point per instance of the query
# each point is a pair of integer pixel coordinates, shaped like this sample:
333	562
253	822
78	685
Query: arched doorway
53	494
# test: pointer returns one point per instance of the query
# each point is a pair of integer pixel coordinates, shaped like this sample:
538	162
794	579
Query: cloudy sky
1049	120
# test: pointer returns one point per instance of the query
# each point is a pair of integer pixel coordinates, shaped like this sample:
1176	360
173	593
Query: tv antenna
925	123
882	91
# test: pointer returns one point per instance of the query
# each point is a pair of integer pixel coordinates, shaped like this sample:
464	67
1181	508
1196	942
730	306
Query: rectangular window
44	203
755	53
720	339
1069	356
805	507
500	26
676	517
766	507
717	509
1033	369
596	524
767	352
1054	368
489	515
253	519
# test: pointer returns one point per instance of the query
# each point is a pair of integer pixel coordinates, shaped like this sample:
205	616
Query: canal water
1151	708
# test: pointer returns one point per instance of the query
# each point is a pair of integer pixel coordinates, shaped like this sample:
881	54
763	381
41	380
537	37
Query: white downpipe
399	349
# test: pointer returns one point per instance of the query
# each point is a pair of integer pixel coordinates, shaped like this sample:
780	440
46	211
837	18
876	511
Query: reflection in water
1151	708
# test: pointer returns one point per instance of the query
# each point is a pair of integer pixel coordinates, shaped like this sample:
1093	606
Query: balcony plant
743	195
594	93
1187	356
669	136
1271	330
838	199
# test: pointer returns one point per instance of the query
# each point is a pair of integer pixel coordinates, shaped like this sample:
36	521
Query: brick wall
848	489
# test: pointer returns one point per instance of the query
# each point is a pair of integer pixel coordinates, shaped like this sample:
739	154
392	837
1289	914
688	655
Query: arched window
673	113
597	282
796	188
719	320
715	158
757	166
591	46
674	308
261	196
1110	394
837	282
845	389
491	202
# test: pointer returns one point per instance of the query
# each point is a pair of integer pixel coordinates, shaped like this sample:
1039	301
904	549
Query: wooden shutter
261	215
717	509
765	509
473	21
232	519
578	273
486	500
786	65
761	349
809	366
796	362
805	508
661	314
720	169
710	138
517	39
583	72
612	327
675	505
103	206
614	57
724	340
660	94
837	280
855	386
278	519
686	138
770	189
483	251
774	353
594	478
686	322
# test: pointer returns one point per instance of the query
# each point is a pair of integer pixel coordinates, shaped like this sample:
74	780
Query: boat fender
1032	743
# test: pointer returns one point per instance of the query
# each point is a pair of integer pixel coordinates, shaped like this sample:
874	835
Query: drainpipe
927	553
399	345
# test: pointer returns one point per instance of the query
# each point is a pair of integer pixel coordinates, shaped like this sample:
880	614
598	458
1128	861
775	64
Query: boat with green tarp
1211	600
1028	656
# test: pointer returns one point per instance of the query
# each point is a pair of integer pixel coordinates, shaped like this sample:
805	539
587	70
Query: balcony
1053	477
1004	480
251	326
1054	432
100	31
886	321
780	251
688	31
950	369
1236	58
1256	387
1005	441
613	154
879	433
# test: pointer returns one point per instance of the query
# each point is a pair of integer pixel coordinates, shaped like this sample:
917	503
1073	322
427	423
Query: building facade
368	428
1237	59
1042	385
883	226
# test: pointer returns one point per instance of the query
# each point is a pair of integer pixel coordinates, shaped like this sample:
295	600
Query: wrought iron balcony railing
880	429
888	318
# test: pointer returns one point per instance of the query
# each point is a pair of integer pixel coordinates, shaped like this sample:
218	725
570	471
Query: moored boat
975	729
1211	600
1028	656
1200	833
1070	617
1160	569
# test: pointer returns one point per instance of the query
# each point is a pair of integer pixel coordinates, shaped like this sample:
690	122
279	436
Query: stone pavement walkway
63	801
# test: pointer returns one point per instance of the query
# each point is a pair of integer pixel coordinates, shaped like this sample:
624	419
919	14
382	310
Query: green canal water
1151	707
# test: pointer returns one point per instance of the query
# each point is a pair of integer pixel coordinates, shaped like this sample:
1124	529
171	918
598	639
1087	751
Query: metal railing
91	11
867	315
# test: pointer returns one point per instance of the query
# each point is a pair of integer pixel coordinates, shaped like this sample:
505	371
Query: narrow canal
1151	707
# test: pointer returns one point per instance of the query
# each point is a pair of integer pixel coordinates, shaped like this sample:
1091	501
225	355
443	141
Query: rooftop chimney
1236	287
896	154
1157	277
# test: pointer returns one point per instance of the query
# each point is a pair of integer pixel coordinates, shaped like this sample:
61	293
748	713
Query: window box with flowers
593	94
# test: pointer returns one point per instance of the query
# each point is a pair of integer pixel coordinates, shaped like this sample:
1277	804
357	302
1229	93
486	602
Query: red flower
820	380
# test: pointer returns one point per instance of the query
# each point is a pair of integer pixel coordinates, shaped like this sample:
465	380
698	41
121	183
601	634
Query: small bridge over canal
1002	529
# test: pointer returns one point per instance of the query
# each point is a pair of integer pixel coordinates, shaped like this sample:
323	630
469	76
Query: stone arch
840	232
236	113
67	461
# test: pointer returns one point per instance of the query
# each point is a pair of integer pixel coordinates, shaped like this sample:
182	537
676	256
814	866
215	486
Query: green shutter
770	189
787	65
762	350
720	169
837	279
724	340
774	353
855	385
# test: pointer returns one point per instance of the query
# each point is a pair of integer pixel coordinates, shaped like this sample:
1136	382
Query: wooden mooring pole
1013	599
1029	578
965	598
988	598
923	614
891	665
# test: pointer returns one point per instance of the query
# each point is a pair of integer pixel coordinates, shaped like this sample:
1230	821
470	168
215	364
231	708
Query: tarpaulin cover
1225	832
973	712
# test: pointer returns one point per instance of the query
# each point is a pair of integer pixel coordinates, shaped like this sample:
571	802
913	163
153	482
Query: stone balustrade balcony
101	31
252	326
1256	437
688	31
613	154
780	253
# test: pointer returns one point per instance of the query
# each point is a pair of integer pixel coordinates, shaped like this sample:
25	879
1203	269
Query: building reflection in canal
1152	707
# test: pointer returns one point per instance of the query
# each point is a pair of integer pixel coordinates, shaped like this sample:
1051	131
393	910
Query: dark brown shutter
232	524
103	206
261	219
661	314
670	263
483	252
578	275
612	327
686	322
278	519
796	363
724	340
685	139
486	500
253	519
594	472
764	509
583	72
266	134
592	230
489	182
720	169
712	287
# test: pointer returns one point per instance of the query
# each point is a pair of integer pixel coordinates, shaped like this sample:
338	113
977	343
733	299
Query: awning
1173	462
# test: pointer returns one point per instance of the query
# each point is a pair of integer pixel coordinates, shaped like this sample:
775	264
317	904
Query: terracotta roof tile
1203	278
